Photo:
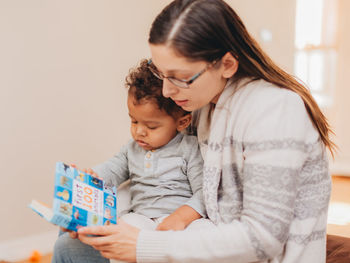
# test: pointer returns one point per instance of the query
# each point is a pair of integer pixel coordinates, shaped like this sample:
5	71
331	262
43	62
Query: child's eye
152	128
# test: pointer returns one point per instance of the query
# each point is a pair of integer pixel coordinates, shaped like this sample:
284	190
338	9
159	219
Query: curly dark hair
144	86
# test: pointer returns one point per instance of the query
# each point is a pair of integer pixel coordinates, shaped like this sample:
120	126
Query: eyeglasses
181	83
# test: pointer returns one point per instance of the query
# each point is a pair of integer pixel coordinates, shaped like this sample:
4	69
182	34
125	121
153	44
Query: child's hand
72	234
88	171
172	222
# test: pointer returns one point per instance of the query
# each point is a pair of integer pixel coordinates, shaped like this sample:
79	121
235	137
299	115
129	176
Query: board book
79	200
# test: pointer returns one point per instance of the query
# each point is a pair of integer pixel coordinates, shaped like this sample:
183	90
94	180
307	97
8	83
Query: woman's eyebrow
175	71
179	71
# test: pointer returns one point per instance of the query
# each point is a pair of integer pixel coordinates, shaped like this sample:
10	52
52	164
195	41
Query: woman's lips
181	102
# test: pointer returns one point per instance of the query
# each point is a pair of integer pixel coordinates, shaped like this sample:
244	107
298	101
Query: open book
79	200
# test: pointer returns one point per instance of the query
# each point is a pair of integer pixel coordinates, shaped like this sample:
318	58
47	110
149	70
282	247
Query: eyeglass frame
186	83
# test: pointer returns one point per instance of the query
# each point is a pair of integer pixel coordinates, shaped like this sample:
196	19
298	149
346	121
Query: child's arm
194	208
114	171
179	219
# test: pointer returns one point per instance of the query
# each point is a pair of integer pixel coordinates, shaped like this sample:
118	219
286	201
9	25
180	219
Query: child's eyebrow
152	122
147	122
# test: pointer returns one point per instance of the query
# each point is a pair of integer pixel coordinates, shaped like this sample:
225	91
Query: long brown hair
208	29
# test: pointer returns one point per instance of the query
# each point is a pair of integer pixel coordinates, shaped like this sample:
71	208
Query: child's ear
183	122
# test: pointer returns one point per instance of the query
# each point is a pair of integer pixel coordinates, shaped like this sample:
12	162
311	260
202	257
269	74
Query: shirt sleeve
114	171
195	177
261	230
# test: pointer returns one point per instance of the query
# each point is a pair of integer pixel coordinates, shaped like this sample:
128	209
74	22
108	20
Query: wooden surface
340	197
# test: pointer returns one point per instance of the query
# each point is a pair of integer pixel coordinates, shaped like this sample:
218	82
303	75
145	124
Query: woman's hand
113	241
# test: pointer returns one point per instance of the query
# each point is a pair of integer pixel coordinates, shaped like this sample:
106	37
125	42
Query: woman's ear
230	65
183	122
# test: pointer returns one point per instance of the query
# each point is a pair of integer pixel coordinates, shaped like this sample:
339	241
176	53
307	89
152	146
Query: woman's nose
169	88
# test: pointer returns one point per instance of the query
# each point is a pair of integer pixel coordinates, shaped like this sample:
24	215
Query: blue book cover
79	200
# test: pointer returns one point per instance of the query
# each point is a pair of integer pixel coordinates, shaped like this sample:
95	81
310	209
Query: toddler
164	165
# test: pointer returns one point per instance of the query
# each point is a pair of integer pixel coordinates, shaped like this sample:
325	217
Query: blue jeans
68	250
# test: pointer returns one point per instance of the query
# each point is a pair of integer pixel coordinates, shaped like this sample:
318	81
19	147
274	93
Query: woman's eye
134	122
180	78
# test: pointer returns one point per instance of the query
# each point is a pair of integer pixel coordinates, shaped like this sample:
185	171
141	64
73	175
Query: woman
263	139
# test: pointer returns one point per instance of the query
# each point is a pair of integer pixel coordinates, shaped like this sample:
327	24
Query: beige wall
339	112
276	17
62	68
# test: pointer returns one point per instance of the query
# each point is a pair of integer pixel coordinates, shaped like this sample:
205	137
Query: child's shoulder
188	142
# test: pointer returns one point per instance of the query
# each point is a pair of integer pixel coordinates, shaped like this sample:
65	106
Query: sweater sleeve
115	170
276	142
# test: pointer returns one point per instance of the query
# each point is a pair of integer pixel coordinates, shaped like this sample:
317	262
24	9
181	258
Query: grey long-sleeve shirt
162	180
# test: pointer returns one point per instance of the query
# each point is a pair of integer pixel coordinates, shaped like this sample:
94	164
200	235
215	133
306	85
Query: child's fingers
64	229
92	172
88	171
73	235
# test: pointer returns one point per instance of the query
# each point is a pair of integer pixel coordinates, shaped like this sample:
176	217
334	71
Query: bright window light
315	55
308	23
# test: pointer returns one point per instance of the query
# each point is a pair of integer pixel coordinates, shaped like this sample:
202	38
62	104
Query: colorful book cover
79	200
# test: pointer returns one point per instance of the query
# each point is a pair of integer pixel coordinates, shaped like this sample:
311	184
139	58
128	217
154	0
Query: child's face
151	127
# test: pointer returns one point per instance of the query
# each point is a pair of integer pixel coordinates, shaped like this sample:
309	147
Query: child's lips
142	143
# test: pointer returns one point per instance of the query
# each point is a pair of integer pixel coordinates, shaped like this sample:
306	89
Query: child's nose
140	130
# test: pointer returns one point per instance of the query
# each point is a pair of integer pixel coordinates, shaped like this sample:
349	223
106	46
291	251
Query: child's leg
139	221
196	224
200	223
68	250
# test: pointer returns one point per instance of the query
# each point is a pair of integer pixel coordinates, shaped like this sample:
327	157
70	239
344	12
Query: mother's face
206	88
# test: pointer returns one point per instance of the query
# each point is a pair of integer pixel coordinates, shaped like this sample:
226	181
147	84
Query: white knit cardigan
266	183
